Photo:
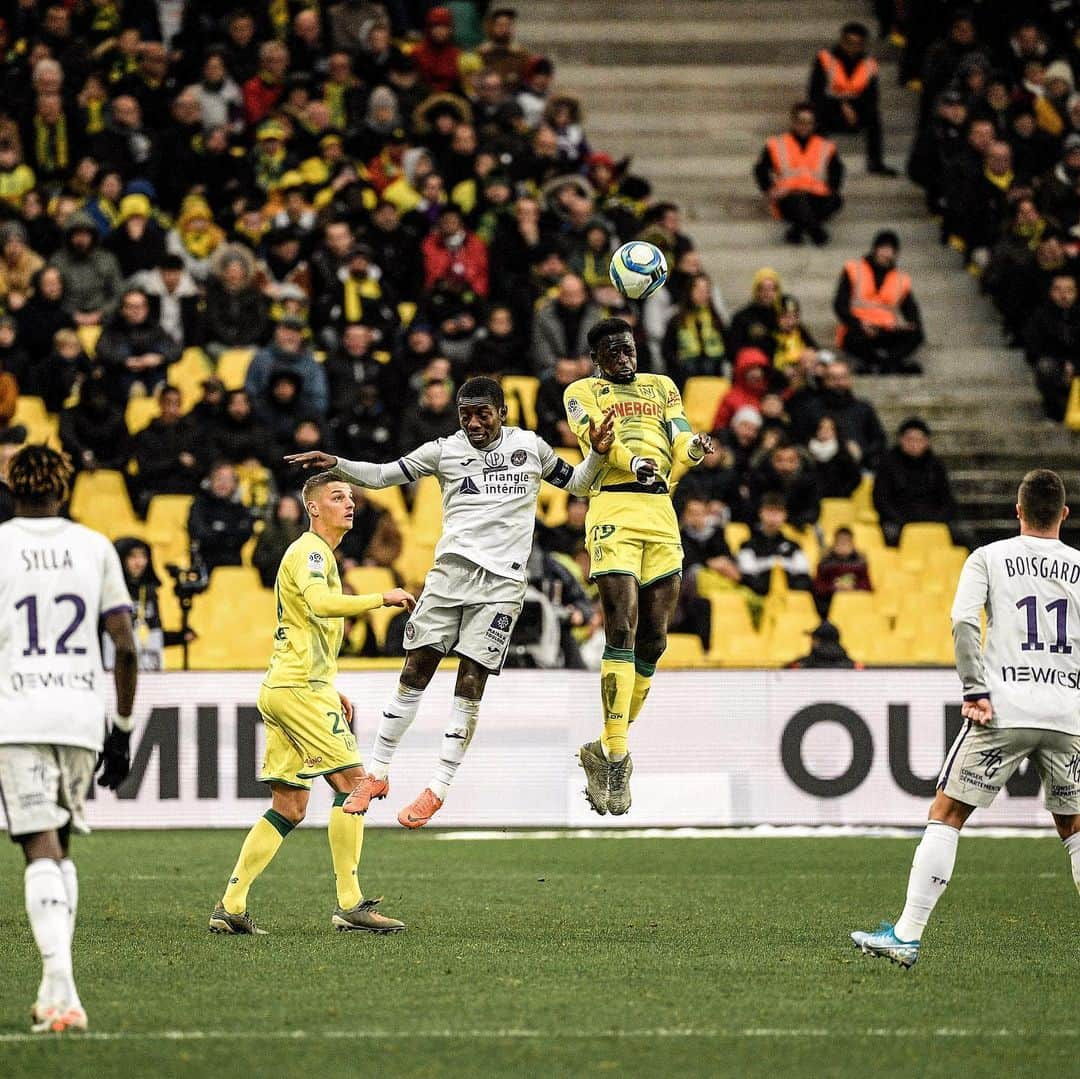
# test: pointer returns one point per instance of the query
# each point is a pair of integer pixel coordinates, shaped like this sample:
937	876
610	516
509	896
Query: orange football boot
419	811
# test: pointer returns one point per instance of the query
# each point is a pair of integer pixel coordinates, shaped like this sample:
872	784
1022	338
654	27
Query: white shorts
982	759
466	609
44	787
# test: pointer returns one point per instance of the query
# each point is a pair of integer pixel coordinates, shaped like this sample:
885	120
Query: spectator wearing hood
169	453
561	327
237	434
288	353
856	419
801	174
380	138
285	527
43	314
880	324
236	313
219	524
911	483
134	349
196	238
433	416
142	585
755	325
18	266
749	385
138	241
826	652
1052	341
175	299
92	277
437	57
787	473
454	258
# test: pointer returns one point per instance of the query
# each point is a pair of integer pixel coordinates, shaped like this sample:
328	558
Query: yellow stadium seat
228	639
846	605
415	560
391	500
701	398
232	367
571	457
787	642
166	528
925	539
406	312
100	501
520	392
1072	412
140	413
748	650
863	498
835	513
366	579
736	534
734	641
867	536
88	338
683	650
41	426
188	374
426	514
551	505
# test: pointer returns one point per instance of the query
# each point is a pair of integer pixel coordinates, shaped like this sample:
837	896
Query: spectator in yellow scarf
195	237
793	339
694	342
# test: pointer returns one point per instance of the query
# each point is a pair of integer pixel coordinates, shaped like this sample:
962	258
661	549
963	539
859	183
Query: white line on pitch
767	831
516	1034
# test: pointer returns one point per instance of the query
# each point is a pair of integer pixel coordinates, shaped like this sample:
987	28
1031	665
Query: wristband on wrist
123	723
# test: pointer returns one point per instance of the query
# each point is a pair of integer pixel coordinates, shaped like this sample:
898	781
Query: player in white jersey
1021	699
490	476
57	579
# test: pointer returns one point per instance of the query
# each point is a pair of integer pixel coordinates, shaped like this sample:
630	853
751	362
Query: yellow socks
616	691
346	834
256	854
643	673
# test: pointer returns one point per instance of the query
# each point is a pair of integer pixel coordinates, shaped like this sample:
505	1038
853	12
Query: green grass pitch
556	957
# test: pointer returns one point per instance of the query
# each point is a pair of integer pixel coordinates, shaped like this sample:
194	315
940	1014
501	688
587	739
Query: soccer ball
638	269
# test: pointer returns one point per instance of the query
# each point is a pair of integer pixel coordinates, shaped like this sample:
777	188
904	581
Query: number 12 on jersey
1060	609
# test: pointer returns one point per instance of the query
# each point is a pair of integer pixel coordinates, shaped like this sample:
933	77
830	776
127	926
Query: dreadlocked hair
39	474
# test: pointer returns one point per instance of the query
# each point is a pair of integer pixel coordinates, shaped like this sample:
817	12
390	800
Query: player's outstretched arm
579	480
582	410
423	461
327	604
115	759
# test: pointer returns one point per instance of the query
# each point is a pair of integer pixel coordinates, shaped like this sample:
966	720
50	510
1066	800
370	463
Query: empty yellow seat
924	538
520	392
1072	412
100	501
41	426
391	500
863	499
426	513
836	513
232	367
88	338
683	650
736	534
140	413
188	374
701	398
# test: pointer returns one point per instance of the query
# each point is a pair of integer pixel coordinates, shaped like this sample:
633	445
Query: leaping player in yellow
307	720
633	539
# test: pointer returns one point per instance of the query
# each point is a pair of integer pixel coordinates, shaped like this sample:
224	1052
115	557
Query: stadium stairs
692	88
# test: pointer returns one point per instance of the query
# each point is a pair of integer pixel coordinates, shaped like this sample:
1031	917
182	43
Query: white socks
931	869
71	886
397	717
455	741
48	909
1072	845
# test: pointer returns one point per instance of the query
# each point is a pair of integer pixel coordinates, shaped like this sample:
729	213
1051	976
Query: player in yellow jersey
633	538
306	719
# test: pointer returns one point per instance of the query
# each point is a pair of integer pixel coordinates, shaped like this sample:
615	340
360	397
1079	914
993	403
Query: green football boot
618	794
365	918
591	756
221	921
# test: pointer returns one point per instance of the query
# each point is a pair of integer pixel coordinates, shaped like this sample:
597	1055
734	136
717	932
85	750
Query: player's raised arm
971	595
579	480
687	447
582	413
423	461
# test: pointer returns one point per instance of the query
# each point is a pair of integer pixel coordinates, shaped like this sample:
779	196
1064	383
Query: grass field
556	957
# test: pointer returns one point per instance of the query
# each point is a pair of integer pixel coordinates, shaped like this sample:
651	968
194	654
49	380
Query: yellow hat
134	206
271	129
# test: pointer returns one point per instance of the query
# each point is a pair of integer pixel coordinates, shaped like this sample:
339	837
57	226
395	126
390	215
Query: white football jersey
1030	590
57	579
489	495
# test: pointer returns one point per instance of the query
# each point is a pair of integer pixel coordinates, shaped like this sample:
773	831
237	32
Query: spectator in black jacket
787	473
238	436
837	470
365	430
219	523
93	432
754	326
826	651
911	483
350	365
56	379
138	241
284	528
551	422
1053	345
169	454
134	349
704	547
856	419
433	416
236	313
768	547
143	584
43	314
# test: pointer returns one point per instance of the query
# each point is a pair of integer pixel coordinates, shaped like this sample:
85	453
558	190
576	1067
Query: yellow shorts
634	534
306	735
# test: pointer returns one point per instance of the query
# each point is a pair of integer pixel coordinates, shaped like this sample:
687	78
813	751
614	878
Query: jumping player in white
1021	699
57	579
490	476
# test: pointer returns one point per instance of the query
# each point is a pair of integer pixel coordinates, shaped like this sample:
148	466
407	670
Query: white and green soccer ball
638	269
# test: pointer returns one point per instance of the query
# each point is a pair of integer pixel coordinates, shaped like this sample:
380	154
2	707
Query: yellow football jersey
649	422
305	646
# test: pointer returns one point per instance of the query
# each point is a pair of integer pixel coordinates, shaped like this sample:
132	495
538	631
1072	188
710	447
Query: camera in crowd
189	581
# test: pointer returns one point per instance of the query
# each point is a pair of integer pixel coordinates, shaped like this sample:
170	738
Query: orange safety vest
876	306
798	169
842	85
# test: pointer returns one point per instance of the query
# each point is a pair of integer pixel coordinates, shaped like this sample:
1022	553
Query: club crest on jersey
518	458
646	391
468	487
575	410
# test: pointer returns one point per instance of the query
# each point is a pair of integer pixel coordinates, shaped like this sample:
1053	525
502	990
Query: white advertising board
712	748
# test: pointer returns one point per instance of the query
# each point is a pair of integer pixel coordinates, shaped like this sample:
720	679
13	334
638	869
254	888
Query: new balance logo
468	487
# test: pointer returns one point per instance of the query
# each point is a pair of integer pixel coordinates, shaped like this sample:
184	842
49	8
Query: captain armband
561	474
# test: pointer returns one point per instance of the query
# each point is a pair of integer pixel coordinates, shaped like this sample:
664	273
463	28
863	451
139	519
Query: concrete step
716	207
539	14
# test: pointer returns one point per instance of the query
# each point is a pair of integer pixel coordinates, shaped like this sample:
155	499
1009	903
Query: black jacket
1054	332
760	553
913	489
221	527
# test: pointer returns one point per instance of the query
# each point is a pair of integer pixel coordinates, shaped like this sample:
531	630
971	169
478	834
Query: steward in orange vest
844	91
801	174
880	324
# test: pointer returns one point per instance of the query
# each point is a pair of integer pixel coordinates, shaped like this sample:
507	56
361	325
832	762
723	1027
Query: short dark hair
481	387
1041	497
856	28
317	482
170	262
605	328
38	474
773	500
804	106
